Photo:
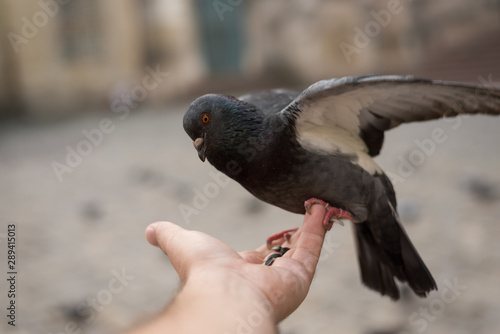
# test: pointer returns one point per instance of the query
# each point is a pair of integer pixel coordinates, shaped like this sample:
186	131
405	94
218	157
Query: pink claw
282	235
331	213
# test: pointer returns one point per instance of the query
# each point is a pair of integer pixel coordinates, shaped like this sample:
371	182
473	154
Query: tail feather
379	268
418	276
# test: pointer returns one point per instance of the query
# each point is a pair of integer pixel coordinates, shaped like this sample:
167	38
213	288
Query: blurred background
92	150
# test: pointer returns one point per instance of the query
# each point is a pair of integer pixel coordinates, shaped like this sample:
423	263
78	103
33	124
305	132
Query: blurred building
59	57
74	55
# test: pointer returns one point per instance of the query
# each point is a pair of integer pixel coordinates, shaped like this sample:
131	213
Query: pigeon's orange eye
205	118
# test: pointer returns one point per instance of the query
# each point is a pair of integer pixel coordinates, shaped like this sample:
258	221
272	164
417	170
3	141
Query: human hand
222	284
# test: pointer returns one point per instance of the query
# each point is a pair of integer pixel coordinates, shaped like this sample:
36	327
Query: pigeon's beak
200	147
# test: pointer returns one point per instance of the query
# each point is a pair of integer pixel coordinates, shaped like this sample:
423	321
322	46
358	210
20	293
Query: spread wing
271	101
350	114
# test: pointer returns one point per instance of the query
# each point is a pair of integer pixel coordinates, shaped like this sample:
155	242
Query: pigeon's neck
238	141
253	150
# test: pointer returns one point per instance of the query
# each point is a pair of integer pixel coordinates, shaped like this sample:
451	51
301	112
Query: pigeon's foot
285	236
332	214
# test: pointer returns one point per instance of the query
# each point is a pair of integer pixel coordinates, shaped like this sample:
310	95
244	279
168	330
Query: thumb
172	240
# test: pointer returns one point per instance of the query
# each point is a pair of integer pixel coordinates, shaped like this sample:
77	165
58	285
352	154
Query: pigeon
288	148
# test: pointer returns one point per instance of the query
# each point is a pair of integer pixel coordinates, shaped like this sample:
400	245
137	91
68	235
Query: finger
262	249
256	256
252	256
151	236
187	249
171	239
161	234
310	240
292	240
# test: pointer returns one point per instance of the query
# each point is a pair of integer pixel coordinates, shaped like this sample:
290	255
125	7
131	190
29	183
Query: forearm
210	307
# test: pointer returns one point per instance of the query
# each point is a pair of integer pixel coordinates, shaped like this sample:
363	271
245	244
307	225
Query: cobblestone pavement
84	264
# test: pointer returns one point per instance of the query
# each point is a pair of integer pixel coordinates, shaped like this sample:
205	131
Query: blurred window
80	29
222	34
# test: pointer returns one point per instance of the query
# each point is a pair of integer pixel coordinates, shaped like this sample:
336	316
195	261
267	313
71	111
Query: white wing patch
368	164
327	140
326	132
345	114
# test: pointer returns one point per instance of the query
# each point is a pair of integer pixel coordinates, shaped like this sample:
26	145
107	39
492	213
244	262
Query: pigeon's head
210	121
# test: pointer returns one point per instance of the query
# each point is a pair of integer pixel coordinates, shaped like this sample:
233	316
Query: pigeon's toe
284	235
311	201
332	213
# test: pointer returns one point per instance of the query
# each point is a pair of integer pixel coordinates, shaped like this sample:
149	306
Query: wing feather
270	101
360	109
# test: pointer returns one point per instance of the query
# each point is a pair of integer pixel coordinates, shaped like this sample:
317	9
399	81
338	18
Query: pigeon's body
289	178
286	147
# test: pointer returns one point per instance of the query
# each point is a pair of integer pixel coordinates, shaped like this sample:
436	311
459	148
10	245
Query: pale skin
223	291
